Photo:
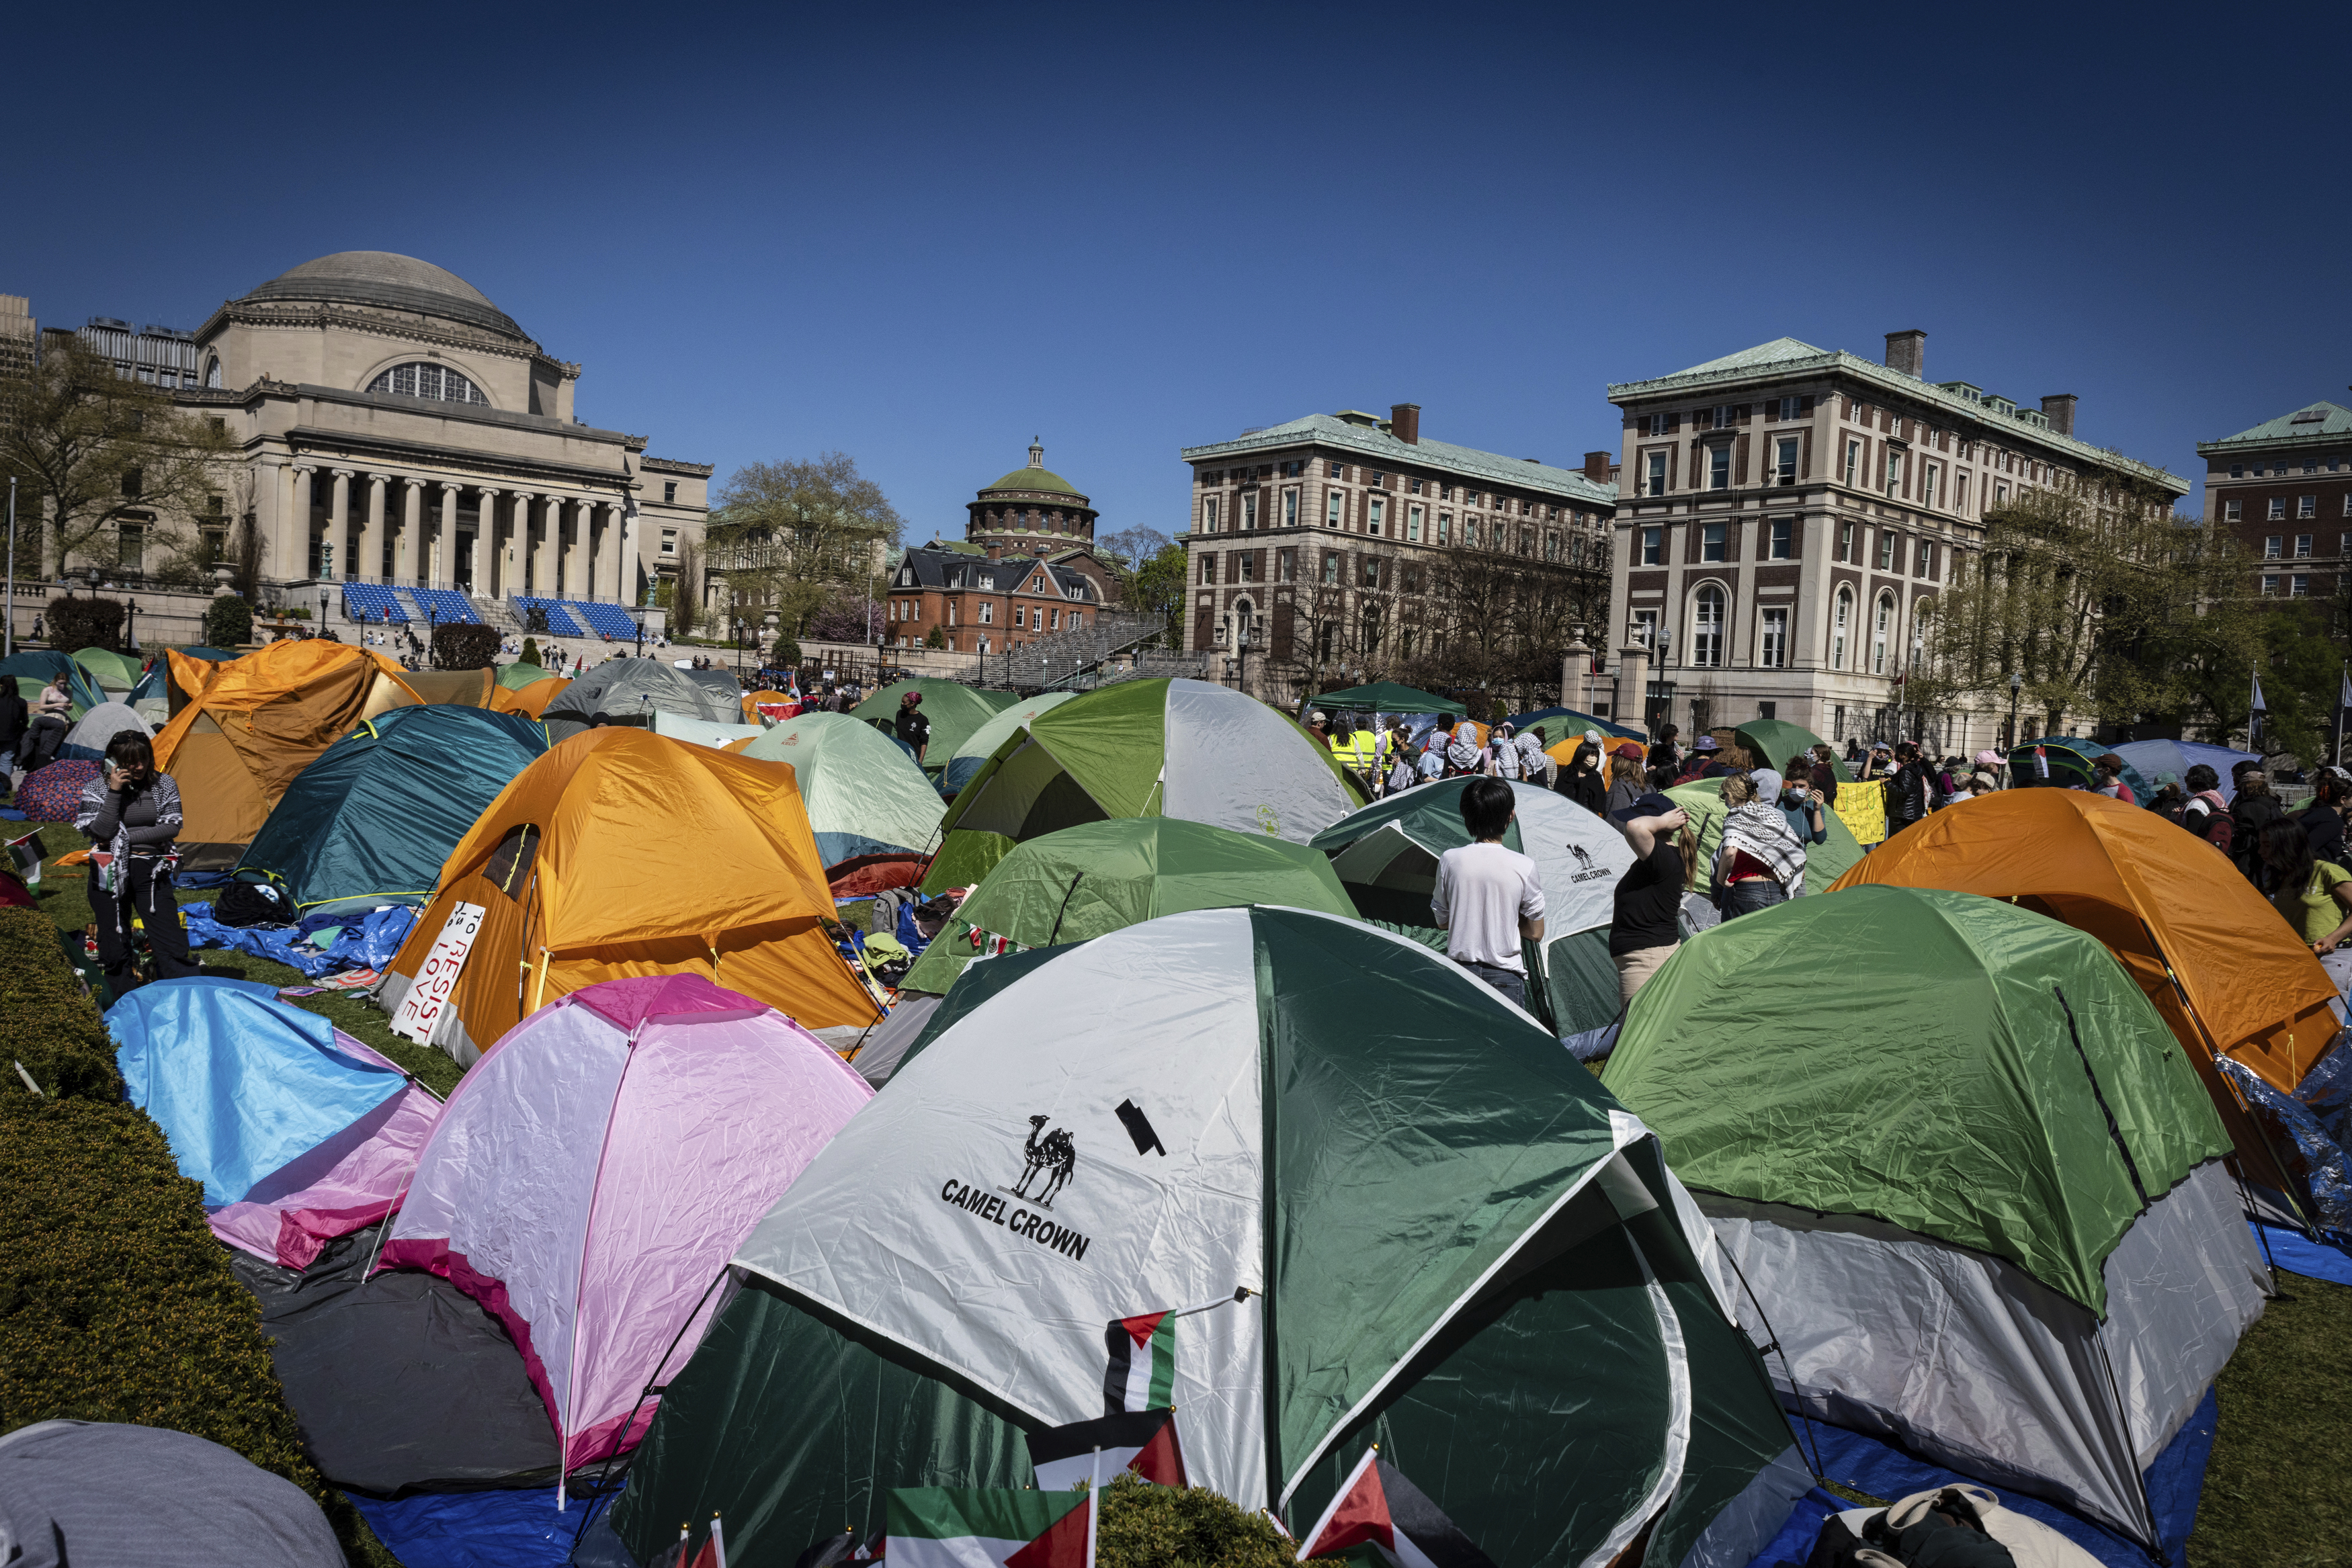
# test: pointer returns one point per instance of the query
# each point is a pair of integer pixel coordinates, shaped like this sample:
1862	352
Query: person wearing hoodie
2322	819
2205	814
1581	780
2254	808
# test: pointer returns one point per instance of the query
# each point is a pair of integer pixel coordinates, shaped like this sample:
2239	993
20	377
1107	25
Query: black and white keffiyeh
1759	831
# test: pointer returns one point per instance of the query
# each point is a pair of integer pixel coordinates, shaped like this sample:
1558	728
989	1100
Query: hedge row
116	1302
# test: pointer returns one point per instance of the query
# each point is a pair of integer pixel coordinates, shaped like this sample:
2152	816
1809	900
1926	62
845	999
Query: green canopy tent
1386	857
375	817
1099	877
865	795
1702	800
954	710
2070	758
1972	1181
970	757
1771	742
1386	696
1378	1203
1142	748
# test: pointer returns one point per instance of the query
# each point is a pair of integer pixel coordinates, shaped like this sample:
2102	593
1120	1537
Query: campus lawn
2278	1492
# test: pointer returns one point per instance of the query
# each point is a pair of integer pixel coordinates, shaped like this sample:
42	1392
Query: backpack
252	903
2214	827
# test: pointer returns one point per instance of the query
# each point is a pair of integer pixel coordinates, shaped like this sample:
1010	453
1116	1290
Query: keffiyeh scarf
1762	832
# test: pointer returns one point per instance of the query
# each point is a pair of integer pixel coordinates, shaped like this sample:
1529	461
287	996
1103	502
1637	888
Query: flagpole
1094	1508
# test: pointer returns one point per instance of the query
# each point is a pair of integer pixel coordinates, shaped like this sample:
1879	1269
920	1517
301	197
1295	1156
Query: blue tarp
2298	1254
363	941
475	1529
240	1083
1875	1468
2161	760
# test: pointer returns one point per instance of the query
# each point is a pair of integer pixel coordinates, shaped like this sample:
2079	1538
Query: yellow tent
251	725
623	852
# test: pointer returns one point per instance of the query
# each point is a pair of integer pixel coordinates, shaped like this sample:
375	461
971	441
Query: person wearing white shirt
1489	899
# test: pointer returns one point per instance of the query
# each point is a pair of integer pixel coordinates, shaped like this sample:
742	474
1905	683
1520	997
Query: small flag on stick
1143	1441
1377	1506
1143	1371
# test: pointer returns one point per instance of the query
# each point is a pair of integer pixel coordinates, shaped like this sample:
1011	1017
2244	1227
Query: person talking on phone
132	812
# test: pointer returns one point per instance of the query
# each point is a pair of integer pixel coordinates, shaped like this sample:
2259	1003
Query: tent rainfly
1349	1194
702	731
1772	741
864	793
86	740
617	854
372	820
2001	1231
2159	761
1386	857
1143	749
630	691
593	1173
2070	758
33	668
1562	724
1389	697
982	744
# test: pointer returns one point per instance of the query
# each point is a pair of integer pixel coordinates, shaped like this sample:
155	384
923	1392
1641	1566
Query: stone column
371	548
614	553
542	554
1633	687
294	555
481	559
513	576
561	561
447	556
339	525
404	559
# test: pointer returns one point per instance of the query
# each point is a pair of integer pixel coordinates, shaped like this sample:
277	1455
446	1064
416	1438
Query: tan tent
256	722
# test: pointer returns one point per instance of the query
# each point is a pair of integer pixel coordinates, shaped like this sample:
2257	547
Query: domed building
1032	510
411	451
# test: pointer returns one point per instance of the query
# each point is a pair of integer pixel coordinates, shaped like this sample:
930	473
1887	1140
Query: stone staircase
1072	660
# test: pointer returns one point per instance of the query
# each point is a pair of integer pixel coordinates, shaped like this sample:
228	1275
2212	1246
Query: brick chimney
1404	423
1597	466
1907	352
2058	408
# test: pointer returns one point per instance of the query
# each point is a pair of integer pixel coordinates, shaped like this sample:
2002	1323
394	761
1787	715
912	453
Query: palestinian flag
1143	1441
1378	1508
1142	1375
972	1527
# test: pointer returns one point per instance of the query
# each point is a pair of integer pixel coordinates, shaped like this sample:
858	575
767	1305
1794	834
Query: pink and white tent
594	1172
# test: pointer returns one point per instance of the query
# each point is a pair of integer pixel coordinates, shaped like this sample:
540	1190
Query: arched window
1707	628
213	370
1840	626
421	379
1881	626
1244	621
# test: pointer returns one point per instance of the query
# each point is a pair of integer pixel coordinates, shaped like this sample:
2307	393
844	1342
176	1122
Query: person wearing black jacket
1909	789
2322	819
1581	780
2254	807
131	814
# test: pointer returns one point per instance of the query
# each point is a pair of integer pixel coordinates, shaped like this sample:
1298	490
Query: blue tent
241	1084
33	669
1559	722
2158	760
372	820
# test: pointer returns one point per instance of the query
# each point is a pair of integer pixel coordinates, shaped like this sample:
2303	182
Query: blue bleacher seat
442	606
373	602
559	620
608	620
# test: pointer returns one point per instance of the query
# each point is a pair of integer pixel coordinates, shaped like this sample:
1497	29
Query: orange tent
2226	971
531	699
751	701
253	723
623	852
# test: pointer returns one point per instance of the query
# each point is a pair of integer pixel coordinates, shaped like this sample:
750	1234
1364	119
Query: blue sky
923	236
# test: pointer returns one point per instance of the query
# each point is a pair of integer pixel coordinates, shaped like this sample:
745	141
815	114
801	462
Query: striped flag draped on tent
1378	1507
1143	1373
977	1527
1143	1441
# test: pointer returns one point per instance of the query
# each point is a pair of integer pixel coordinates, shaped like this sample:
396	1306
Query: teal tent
1562	722
372	820
1386	696
36	668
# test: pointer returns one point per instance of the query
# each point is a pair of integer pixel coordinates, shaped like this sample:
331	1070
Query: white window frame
1249	511
1784	460
1841	620
1882	630
1290	508
1413	524
1653	545
1705	631
1657	475
1718	465
1333	500
1772	639
1208	513
1376	515
1852	460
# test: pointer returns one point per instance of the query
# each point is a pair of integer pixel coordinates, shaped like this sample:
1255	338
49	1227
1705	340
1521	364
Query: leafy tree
936	637
685	600
1156	587
531	651
92	450
790	536
1126	551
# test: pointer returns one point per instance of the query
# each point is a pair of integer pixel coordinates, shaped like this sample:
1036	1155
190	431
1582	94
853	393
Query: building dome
1035	480
380	279
1031	510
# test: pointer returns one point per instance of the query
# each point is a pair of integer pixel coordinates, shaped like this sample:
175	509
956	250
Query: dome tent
1702	800
1771	742
372	820
114	673
1235	1129
702	731
86	740
106	1494
980	744
2069	759
1143	749
254	723
35	668
1099	877
955	710
629	692
618	855
2000	1232
598	1165
1386	857
863	794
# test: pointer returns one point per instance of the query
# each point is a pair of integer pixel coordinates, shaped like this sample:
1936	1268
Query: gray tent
100	1494
87	739
631	691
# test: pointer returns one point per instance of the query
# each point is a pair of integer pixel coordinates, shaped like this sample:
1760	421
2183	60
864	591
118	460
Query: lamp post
322	613
130	623
9	633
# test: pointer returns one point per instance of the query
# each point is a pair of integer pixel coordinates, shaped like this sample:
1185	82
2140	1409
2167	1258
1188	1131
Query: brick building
1792	514
1327	545
2284	489
1024	570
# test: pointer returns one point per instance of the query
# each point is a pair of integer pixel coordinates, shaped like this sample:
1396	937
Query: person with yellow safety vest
1354	748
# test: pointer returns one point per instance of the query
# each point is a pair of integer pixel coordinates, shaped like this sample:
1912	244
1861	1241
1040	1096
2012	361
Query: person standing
911	727
132	812
1908	789
1645	926
2314	896
2205	814
1759	861
1489	899
14	716
1503	759
2322	819
1536	765
1664	753
1821	770
1318	725
45	731
1581	780
1803	807
1629	779
2254	808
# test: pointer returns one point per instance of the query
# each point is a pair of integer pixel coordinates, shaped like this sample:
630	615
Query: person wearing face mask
131	813
1800	802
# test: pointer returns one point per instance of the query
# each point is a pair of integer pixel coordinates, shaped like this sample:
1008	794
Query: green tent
1386	857
1771	742
980	744
865	795
1083	881
954	709
2070	758
375	817
1378	1205
1142	748
112	671
1386	696
1969	1174
1560	723
1702	799
517	676
36	668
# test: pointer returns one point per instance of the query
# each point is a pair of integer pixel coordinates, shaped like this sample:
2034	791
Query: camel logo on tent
1051	1154
1585	869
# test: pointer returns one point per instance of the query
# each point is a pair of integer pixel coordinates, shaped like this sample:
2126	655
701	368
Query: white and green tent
1378	1202
864	793
1386	857
1143	749
966	762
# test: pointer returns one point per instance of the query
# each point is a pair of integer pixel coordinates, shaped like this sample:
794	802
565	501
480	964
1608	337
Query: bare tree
790	536
93	450
686	590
